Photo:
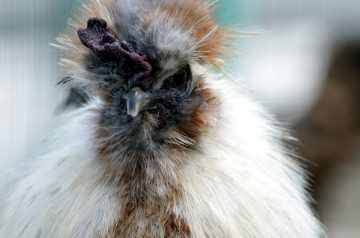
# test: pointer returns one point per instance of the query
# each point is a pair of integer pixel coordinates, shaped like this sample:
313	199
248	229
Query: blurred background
302	62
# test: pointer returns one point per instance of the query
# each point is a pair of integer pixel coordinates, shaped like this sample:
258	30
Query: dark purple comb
130	63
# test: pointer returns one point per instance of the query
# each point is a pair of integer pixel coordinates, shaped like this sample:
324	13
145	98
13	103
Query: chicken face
140	64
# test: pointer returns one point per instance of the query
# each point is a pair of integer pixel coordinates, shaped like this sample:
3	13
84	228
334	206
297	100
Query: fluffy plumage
175	152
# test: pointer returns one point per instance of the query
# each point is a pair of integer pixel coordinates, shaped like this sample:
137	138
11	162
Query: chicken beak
136	101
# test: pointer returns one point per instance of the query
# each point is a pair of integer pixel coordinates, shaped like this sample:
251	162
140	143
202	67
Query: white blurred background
286	66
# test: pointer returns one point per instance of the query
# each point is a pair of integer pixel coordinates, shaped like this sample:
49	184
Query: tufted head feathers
168	32
141	58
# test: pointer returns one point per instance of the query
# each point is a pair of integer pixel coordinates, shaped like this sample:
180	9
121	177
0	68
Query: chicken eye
180	80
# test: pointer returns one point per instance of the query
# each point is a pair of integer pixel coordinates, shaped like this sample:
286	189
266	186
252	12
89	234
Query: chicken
160	144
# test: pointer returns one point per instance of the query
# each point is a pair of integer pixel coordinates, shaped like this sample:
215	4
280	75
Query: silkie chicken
157	142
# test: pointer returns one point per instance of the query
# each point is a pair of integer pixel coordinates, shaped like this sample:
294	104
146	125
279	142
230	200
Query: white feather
239	183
